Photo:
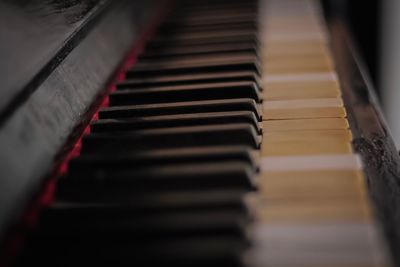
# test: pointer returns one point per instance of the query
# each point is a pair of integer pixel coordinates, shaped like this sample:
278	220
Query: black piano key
157	199
213	135
225	12
251	26
210	19
212	64
160	202
195	37
215	7
196	252
184	93
119	223
121	186
132	111
181	120
189	79
98	162
216	49
121	183
245	38
196	17
194	59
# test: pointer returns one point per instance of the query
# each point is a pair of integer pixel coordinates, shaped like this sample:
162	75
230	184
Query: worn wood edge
372	138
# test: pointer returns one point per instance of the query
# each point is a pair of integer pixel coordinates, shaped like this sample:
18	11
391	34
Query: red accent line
129	61
29	220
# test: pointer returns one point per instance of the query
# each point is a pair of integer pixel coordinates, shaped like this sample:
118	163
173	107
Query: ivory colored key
311	57
300	26
311	163
284	47
298	64
343	135
305	124
312	211
298	89
304	108
310	147
294	36
313	204
301	77
318	244
304	113
312	185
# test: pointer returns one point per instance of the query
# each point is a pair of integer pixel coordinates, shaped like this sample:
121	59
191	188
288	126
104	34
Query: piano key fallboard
226	144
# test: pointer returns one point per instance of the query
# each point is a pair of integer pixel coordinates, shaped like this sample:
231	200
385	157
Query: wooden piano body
60	61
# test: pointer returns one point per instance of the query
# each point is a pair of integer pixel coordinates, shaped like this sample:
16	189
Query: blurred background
376	27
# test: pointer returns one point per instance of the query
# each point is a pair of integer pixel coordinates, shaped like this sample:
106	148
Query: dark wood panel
371	135
37	129
31	34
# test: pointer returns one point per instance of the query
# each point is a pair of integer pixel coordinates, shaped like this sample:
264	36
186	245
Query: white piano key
319	76
309	245
314	162
303	103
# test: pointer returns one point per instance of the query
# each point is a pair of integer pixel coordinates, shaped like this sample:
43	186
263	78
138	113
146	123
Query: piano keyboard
227	144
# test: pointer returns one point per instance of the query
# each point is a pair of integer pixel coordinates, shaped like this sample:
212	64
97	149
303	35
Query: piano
191	133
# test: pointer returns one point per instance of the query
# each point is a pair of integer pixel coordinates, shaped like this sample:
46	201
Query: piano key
196	60
194	17
162	157
218	10
171	80
200	54
306	163
299	64
167	121
197	252
192	36
302	77
217	7
306	124
309	147
158	198
321	211
184	93
113	225
318	244
250	26
194	176
312	185
249	38
232	134
303	103
189	173
301	89
246	17
304	109
290	57
213	64
214	49
343	135
163	202
295	48
304	113
132	111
